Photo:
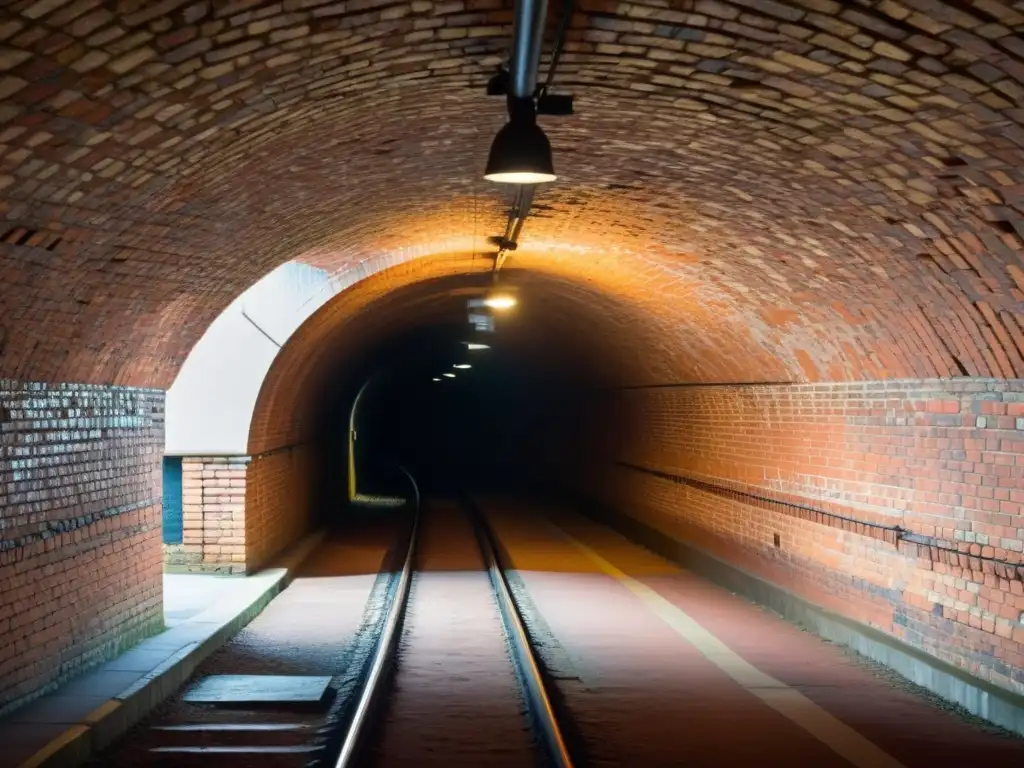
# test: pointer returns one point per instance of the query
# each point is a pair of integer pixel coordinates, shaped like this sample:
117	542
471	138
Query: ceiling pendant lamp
520	152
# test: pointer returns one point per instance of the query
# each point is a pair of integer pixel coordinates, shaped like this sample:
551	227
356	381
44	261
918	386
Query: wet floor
657	666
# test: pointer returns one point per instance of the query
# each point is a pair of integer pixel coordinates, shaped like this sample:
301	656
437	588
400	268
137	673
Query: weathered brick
821	193
752	460
99	445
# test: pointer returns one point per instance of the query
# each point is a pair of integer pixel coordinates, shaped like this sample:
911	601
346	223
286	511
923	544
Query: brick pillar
213	516
79	529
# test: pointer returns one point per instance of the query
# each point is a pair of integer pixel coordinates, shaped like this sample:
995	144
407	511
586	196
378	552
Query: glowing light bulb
521	177
500	302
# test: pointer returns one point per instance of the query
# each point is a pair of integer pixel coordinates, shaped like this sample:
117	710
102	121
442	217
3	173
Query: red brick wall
213	516
277	502
832	469
80	559
238	512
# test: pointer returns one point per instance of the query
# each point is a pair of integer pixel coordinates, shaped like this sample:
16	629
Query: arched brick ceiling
561	327
782	189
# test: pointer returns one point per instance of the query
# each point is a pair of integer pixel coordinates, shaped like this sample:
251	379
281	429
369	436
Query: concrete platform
979	697
322	625
188	594
674	670
68	726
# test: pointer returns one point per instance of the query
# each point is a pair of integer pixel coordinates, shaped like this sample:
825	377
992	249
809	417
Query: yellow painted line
789	703
55	746
103	711
44	755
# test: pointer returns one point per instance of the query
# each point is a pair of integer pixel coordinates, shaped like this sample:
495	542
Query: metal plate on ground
259	689
233	727
295	750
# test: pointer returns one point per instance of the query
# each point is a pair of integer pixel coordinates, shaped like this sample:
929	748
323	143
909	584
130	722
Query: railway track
441	640
374	726
644	664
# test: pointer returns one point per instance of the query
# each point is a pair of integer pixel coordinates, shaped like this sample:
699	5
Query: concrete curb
209	630
979	697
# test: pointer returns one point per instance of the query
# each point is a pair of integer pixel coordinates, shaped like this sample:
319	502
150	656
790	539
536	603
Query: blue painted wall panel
172	500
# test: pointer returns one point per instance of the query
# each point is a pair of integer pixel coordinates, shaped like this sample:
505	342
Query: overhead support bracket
548	104
555	105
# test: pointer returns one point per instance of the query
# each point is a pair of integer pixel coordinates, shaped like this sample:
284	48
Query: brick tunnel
770	320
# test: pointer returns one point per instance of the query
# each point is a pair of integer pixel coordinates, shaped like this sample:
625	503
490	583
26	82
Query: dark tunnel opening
524	418
463	412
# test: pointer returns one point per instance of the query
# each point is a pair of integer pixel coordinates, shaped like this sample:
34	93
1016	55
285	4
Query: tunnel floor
650	664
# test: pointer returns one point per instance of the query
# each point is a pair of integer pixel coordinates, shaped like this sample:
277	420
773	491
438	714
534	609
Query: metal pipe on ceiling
524	67
527	39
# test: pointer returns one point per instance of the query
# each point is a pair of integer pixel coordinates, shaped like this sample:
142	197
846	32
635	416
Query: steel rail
527	669
375	682
538	702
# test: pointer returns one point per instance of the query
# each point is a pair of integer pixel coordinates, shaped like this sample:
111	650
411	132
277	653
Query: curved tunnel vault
783	258
844	176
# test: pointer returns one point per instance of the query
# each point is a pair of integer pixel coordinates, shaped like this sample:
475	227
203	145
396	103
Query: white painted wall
210	404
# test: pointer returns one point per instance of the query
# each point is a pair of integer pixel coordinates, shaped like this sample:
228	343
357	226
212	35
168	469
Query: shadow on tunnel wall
494	426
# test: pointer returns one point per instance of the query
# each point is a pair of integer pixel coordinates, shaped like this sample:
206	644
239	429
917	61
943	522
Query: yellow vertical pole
352	441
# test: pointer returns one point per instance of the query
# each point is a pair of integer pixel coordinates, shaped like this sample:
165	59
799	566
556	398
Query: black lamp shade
520	154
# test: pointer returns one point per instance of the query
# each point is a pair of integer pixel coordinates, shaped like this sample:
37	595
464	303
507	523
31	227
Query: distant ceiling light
463	366
520	153
448	375
500	302
435	379
473	345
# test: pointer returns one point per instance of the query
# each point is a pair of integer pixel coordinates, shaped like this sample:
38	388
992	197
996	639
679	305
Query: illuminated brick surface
832	187
941	460
789	191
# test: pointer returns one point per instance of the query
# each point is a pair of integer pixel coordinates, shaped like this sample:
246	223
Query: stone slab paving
234	689
188	594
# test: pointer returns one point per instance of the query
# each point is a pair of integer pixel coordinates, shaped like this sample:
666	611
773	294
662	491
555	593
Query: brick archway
794	191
